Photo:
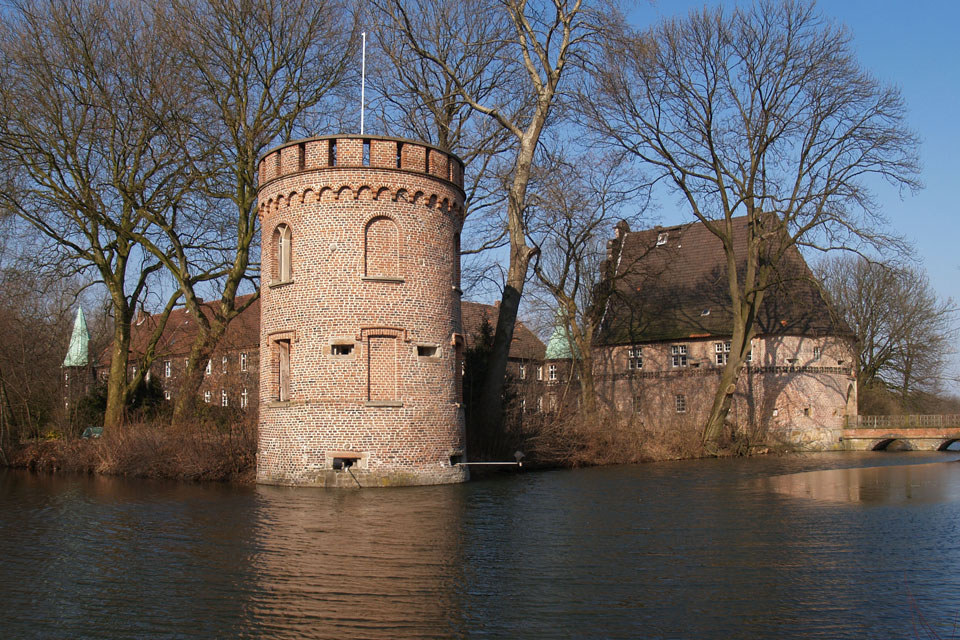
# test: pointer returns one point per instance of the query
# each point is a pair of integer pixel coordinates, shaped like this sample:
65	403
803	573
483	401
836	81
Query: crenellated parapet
342	152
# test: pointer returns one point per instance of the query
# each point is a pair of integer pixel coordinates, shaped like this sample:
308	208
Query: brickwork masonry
360	332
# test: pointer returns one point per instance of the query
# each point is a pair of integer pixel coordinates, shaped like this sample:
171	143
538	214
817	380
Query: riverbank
228	454
149	451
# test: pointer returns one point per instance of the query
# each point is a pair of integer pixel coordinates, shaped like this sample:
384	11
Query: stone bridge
911	432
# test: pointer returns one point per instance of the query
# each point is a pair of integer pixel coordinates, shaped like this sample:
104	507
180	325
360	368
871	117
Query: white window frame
224	398
206	397
244	399
635	358
243	361
284	254
523	371
817	353
722	351
680	401
678	355
662	238
552	372
167	369
209	368
223	363
540	372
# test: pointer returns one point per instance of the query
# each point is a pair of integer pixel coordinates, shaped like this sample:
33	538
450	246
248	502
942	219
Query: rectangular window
678	354
341	349
166	394
167	369
209	368
540	373
206	397
244	399
243	361
223	363
552	372
283	370
722	350
681	401
661	239
523	371
816	353
635	358
224	400
428	351
750	356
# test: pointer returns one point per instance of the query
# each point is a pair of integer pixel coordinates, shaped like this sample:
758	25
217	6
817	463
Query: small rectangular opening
366	153
456	459
301	156
399	154
332	154
427	350
341	464
341	349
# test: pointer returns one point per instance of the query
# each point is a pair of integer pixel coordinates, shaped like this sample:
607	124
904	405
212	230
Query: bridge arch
945	445
892	444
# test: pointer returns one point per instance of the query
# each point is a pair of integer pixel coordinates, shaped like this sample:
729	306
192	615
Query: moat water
862	545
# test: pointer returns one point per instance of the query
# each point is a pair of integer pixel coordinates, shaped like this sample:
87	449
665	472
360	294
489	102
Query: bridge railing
903	422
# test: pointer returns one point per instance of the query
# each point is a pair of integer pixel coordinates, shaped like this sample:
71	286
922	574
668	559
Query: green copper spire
79	343
559	347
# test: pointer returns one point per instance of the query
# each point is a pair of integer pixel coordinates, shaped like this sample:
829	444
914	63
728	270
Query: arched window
283	253
380	249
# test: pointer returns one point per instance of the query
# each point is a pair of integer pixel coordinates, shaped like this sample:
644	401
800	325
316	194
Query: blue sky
914	46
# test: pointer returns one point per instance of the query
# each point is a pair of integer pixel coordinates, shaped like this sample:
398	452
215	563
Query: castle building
361	343
666	337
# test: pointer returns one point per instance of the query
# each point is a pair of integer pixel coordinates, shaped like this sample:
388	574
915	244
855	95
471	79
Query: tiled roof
526	345
672	284
181	330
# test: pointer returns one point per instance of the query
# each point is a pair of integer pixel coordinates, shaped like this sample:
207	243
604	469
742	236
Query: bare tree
88	97
576	203
531	47
261	70
904	330
762	112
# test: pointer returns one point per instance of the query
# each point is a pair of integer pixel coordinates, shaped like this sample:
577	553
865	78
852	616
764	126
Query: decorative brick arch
381	248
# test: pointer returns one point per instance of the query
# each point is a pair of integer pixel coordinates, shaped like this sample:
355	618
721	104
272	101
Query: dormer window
662	238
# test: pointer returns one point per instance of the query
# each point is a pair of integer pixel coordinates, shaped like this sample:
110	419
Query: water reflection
891	485
357	564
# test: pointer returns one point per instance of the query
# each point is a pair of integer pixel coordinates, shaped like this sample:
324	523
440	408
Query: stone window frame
343	341
281	271
437	355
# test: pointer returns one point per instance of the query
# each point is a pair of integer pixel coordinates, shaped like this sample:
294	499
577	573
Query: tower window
283	254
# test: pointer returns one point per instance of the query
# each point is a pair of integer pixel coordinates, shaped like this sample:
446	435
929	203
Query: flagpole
363	78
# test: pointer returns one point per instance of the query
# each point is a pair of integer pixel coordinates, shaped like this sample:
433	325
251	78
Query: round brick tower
360	338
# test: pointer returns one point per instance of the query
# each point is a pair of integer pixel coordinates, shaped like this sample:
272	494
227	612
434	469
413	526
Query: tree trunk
185	405
117	390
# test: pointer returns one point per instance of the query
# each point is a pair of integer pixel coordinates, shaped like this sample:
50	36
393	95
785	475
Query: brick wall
371	310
